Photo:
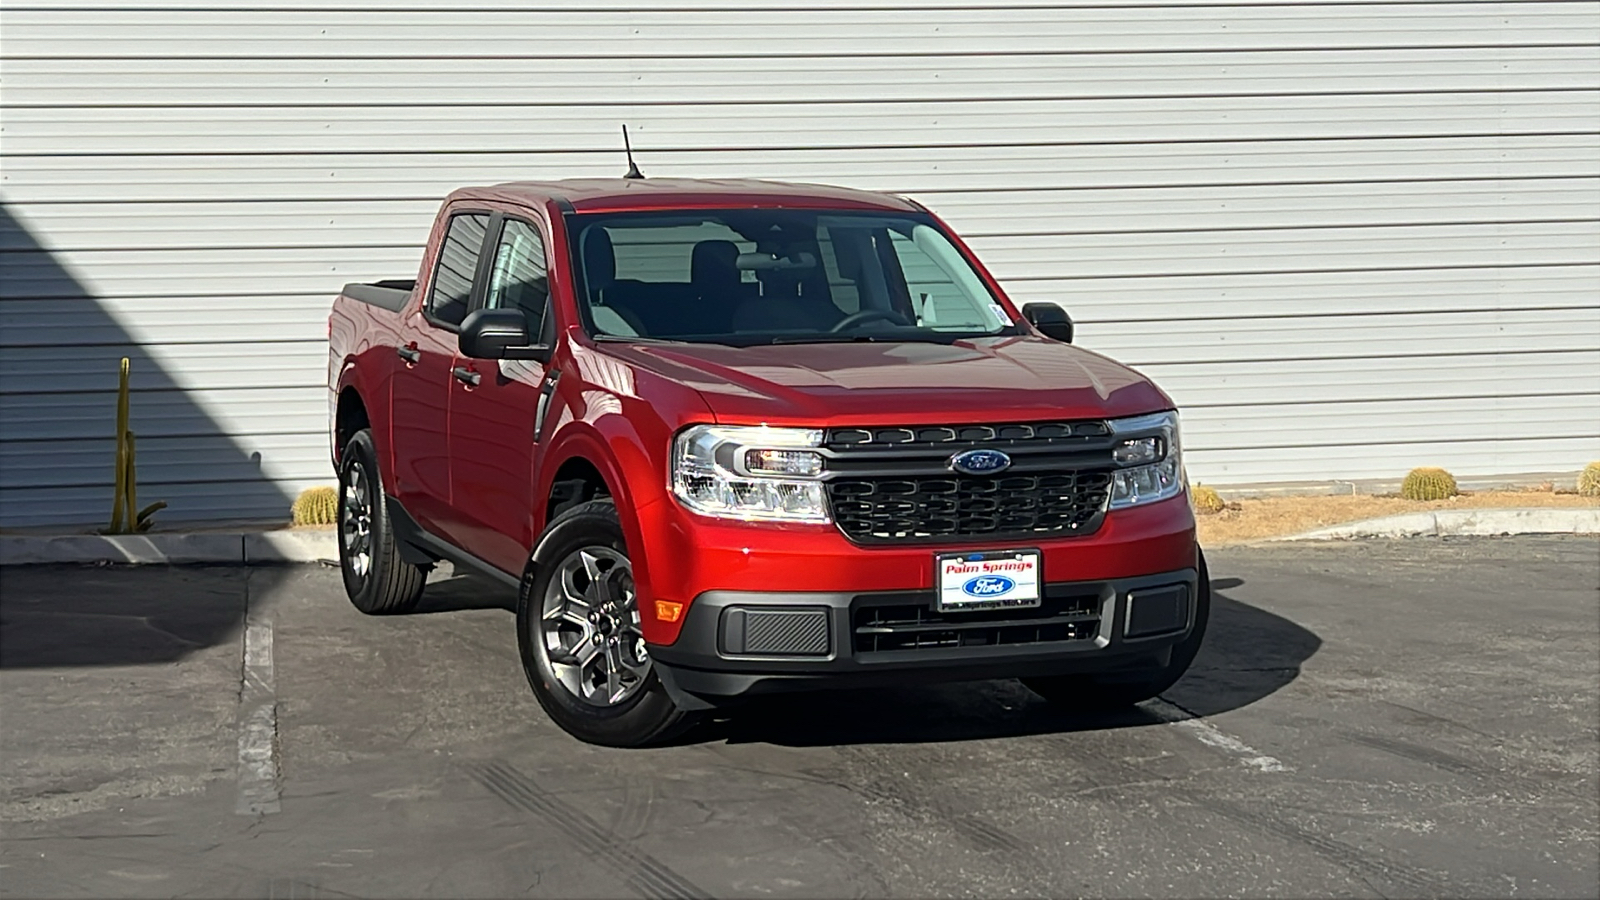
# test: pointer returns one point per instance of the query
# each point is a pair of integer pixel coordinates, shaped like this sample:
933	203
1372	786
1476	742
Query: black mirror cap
1051	320
498	334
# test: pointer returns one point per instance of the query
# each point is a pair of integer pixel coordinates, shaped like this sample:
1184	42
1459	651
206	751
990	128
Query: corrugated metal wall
1348	237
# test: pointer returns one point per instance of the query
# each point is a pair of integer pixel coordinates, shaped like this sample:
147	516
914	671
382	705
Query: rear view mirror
770	262
1051	320
498	334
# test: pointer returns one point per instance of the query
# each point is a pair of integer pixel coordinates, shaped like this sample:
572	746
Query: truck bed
390	294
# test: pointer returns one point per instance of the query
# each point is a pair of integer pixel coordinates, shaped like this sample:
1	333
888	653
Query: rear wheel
578	629
377	580
1099	693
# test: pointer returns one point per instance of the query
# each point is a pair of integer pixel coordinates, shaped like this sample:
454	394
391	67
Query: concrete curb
166	548
1543	520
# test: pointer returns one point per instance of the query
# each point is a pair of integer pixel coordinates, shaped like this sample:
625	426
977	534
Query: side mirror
1051	320
498	334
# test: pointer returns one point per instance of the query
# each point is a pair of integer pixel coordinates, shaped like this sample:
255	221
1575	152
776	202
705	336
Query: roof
620	194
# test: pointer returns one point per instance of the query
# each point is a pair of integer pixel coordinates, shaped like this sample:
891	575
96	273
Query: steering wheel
866	315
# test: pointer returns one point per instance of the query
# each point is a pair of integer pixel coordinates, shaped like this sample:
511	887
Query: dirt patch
1253	520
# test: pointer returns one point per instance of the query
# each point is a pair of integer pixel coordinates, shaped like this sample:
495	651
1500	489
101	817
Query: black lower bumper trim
900	638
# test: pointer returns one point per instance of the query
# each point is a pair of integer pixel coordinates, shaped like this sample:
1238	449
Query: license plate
995	579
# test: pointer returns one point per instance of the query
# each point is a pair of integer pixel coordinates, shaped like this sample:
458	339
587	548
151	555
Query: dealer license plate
996	579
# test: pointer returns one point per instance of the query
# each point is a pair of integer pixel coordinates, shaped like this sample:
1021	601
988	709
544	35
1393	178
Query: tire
579	638
1101	693
377	580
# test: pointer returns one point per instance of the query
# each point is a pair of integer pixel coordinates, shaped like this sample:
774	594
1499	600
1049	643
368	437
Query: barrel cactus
1589	481
316	506
1206	500
1428	483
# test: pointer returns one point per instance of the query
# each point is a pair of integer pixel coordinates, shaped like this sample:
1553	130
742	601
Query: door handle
410	354
466	376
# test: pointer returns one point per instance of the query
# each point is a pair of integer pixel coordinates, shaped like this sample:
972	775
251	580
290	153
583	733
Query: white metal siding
1347	237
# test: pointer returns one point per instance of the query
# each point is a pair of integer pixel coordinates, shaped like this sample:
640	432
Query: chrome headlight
750	472
1150	459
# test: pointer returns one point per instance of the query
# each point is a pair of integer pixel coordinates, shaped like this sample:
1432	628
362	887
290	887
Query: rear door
423	384
494	407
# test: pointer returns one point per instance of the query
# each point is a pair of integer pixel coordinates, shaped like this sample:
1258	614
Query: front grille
896	484
915	625
988	435
951	506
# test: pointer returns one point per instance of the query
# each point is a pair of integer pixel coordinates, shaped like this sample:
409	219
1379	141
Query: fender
374	400
582	440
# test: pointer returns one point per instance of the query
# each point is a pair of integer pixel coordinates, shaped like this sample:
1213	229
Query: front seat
718	287
600	277
791	300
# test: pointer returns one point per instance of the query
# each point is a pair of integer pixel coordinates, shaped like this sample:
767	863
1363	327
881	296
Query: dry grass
1252	520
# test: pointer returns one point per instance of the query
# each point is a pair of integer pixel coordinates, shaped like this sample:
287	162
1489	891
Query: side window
519	279
458	261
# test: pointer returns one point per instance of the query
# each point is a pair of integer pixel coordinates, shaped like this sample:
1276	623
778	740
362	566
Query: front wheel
1091	693
578	630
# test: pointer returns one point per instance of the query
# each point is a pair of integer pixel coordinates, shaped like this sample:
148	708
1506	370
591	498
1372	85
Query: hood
860	383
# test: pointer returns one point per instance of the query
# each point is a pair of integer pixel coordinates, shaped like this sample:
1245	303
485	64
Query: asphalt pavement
1409	718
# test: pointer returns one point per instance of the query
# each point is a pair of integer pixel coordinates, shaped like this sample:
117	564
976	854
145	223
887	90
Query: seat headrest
599	259
714	263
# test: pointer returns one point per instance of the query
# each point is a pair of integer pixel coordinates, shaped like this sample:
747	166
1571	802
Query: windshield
759	276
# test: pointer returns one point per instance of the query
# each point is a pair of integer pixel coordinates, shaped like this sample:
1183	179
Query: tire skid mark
914	803
1358	862
638	808
1362	864
1428	756
1457	765
647	875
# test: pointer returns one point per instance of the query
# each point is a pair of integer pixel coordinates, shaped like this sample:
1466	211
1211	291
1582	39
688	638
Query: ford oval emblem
980	462
988	586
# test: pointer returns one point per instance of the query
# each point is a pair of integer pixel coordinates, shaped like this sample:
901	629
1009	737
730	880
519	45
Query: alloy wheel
590	624
355	522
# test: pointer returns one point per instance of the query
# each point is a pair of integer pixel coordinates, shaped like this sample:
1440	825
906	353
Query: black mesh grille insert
916	625
954	506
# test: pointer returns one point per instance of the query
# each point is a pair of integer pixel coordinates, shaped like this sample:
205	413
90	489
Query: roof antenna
633	170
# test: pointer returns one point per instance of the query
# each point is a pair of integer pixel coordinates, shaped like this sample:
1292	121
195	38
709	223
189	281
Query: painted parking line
258	723
1211	736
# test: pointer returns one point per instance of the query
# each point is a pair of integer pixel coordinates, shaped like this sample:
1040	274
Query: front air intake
792	631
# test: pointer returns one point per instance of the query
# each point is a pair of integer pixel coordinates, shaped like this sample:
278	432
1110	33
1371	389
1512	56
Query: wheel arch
580	465
350	416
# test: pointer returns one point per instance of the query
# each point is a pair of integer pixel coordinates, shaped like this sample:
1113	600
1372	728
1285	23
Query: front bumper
686	557
738	643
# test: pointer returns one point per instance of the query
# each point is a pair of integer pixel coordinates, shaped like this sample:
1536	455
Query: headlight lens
750	472
1151	454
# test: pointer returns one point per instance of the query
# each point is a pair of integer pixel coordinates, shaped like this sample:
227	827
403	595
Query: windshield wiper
880	338
825	339
635	339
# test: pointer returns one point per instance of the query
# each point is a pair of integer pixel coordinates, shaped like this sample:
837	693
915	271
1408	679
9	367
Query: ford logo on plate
980	462
988	586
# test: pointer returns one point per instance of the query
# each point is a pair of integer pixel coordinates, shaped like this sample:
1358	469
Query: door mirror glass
498	334
1051	320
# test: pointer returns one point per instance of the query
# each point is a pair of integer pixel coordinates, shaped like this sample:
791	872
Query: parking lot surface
1366	719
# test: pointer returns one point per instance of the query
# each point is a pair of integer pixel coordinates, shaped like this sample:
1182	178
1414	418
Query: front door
423	384
492	411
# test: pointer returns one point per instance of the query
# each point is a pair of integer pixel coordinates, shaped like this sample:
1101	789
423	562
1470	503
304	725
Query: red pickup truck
733	437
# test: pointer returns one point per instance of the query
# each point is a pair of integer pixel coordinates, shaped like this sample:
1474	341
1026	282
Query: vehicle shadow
1248	654
458	591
